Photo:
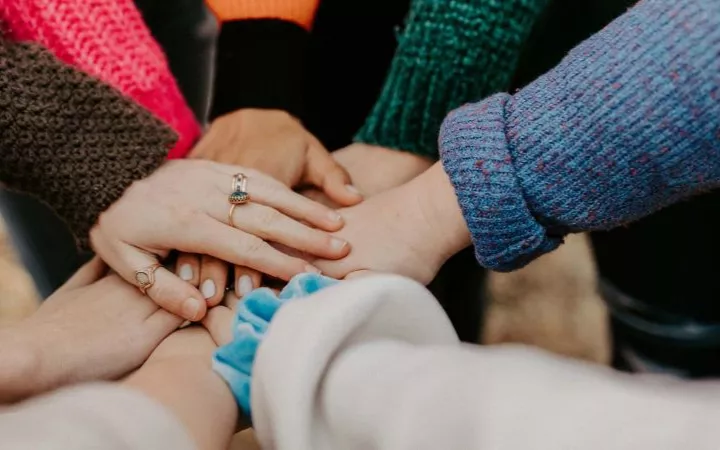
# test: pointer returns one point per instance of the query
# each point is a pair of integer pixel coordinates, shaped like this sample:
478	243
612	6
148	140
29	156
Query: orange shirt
301	12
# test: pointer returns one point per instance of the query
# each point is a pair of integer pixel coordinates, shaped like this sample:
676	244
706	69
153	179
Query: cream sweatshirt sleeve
375	364
101	416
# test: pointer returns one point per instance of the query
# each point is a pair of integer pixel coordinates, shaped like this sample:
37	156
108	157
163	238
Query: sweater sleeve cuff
69	139
260	64
93	416
448	54
478	160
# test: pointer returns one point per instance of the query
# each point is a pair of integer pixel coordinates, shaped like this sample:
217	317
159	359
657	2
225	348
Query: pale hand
277	144
410	230
184	206
94	327
374	169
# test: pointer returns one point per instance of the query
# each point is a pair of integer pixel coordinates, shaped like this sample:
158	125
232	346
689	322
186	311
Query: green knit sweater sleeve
449	53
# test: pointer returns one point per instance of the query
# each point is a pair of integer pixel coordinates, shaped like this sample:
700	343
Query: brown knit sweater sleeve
69	139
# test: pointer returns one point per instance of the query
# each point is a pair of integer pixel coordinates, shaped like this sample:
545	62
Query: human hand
184	206
94	327
374	169
276	143
410	230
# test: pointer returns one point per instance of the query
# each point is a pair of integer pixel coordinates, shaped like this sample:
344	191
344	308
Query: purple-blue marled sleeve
627	123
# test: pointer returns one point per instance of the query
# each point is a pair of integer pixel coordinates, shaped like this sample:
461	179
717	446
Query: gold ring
145	277
230	214
238	196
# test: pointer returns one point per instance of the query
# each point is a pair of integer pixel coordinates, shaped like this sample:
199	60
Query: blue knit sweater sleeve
627	123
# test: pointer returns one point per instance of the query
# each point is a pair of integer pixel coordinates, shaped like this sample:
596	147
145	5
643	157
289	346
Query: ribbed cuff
449	53
260	64
477	158
301	12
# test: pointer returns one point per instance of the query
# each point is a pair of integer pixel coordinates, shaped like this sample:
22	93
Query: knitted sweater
69	139
628	123
260	55
109	40
449	52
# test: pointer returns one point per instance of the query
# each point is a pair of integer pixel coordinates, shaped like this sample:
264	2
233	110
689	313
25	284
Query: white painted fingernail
352	189
337	244
186	272
312	269
208	288
334	216
245	285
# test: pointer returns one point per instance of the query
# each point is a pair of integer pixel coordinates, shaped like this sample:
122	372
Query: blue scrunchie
234	361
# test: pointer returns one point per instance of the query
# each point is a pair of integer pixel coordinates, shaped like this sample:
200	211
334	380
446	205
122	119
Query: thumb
326	174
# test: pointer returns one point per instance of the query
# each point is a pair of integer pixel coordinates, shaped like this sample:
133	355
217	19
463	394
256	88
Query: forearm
261	54
70	140
190	390
383	369
479	398
440	215
625	125
449	53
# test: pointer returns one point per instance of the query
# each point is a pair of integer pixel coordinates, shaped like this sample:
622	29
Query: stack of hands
309	211
362	208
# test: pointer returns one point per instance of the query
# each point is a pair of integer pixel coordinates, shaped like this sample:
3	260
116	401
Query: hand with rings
228	213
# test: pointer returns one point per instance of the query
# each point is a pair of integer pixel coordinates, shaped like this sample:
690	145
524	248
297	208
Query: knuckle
268	218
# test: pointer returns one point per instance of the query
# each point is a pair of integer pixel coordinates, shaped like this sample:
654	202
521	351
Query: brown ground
552	303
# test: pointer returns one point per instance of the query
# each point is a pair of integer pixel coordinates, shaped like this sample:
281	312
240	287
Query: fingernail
337	244
352	189
334	216
245	285
312	269
186	272
208	288
190	308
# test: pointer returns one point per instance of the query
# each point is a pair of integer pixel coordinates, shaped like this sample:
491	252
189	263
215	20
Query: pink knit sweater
109	40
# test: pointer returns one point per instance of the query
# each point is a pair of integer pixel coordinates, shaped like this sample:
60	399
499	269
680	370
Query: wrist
190	390
441	218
